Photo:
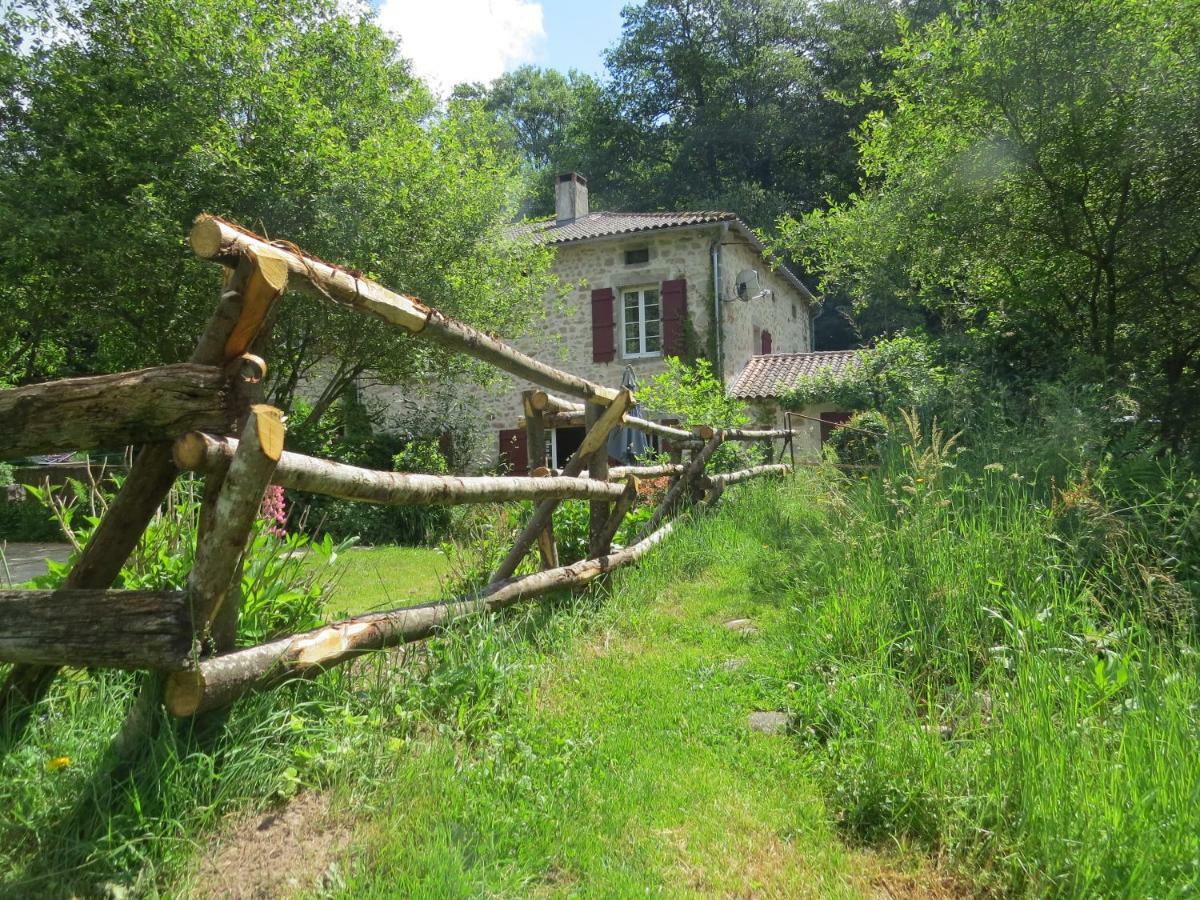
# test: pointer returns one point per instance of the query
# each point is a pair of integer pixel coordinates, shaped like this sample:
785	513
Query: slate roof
773	374
614	224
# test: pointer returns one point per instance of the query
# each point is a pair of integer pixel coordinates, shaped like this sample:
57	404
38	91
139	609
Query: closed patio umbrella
626	444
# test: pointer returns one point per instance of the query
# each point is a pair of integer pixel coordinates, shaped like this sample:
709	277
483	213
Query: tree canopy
1033	193
125	118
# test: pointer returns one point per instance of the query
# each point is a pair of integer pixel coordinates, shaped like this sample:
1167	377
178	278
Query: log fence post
694	469
598	510
597	436
230	521
247	297
616	517
535	444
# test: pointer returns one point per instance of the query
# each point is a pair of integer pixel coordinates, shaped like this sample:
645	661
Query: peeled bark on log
694	470
148	405
543	513
728	478
110	629
149	480
219	680
220	546
197	452
223	242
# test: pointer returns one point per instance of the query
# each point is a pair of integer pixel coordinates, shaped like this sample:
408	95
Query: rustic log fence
185	417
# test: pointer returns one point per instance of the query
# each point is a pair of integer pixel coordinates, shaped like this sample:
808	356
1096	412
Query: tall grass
969	679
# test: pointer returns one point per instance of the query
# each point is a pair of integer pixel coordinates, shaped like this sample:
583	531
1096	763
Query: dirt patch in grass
276	854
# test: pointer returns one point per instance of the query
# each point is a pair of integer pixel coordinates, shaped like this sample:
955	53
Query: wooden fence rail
183	417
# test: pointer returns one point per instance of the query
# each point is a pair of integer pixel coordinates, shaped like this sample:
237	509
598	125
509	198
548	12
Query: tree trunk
113	411
220	680
110	629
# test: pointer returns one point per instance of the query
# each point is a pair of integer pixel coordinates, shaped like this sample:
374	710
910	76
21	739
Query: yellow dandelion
59	762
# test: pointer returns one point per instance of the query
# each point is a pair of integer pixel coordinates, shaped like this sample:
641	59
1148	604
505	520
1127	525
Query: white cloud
450	41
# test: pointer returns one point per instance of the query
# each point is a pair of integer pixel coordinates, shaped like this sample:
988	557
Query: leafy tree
125	118
1034	189
541	109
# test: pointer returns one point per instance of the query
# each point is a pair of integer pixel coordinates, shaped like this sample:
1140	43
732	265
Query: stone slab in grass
742	626
772	722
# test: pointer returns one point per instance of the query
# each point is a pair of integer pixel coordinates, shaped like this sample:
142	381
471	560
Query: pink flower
274	511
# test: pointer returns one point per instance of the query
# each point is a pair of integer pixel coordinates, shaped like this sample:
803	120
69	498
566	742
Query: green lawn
369	578
609	754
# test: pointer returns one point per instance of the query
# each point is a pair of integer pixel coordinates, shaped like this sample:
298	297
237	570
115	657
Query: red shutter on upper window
766	341
674	313
514	451
603	326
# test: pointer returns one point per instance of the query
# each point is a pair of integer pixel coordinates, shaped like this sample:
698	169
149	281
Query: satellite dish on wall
748	286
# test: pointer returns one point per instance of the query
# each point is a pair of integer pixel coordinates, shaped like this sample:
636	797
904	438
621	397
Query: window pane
631	330
651	295
631	300
653	344
631	346
652	328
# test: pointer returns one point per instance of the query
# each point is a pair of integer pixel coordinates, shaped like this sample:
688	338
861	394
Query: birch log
111	629
113	411
219	680
149	480
211	456
226	243
597	436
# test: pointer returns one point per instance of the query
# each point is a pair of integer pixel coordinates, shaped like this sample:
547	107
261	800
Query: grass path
625	766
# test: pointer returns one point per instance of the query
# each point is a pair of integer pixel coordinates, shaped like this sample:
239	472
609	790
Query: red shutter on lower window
766	341
674	313
514	452
604	347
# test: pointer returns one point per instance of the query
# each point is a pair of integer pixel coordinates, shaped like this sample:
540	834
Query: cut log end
189	451
539	400
184	693
205	237
269	425
272	268
705	432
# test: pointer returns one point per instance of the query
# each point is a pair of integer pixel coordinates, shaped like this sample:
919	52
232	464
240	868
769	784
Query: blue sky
476	40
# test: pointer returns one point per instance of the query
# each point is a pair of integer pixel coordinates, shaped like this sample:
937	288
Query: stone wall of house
785	313
564	337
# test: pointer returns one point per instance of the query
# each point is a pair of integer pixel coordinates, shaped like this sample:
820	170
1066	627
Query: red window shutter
604	347
674	312
830	421
766	341
514	452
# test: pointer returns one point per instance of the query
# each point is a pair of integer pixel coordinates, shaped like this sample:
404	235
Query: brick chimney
570	198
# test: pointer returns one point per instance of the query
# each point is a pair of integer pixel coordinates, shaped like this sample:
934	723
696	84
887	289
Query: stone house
642	286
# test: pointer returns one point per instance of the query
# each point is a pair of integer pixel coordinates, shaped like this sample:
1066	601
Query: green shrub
860	443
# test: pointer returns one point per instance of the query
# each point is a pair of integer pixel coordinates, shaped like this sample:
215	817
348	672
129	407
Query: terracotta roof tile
774	374
607	224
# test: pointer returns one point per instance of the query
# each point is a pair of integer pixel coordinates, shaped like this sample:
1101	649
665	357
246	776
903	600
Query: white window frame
642	353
